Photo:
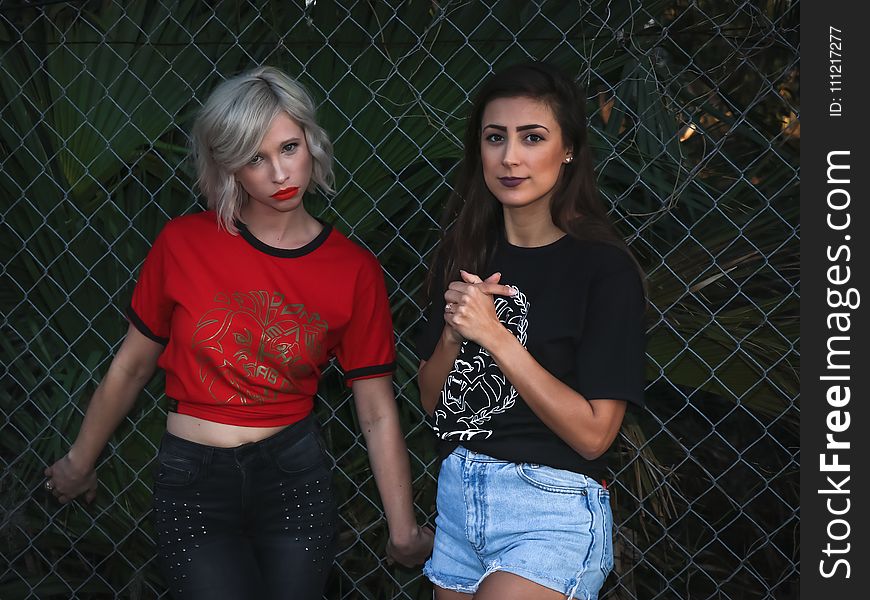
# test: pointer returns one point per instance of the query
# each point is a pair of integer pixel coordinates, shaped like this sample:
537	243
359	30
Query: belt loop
206	460
265	449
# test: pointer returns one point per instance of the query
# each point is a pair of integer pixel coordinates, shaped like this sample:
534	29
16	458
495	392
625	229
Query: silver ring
448	308
48	485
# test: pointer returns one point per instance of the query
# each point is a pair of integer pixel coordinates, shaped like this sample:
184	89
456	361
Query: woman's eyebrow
531	126
520	128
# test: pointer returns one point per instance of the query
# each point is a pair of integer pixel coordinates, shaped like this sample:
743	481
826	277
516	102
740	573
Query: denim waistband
205	453
467	454
470	455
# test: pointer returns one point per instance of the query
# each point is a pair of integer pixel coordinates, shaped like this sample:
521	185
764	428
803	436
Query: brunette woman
533	350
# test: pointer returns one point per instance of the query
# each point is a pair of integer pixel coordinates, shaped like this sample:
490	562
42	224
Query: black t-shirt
580	314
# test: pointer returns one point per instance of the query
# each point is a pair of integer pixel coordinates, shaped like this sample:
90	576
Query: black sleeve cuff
367	372
143	328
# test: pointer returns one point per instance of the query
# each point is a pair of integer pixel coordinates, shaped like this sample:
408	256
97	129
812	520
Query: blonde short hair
231	126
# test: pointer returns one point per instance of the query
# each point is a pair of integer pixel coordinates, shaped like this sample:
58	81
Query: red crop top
248	328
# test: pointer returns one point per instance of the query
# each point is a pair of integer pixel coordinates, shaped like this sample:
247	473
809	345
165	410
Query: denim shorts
547	525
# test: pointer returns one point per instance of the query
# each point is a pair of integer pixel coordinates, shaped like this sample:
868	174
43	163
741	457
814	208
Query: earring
569	158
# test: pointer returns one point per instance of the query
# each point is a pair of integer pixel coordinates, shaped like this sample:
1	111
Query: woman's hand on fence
414	550
66	481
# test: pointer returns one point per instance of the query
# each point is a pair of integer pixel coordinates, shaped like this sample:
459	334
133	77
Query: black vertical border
825	129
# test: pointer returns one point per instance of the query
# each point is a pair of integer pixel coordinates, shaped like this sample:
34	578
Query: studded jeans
257	521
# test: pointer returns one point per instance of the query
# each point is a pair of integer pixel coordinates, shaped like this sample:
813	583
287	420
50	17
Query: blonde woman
242	306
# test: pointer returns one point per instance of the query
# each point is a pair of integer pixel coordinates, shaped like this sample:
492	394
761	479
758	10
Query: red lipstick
286	193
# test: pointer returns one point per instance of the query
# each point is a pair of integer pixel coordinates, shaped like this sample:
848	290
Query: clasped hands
469	310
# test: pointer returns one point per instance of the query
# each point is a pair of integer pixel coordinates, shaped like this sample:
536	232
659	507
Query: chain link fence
693	108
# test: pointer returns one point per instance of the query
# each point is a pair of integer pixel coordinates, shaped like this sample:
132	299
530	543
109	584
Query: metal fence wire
694	116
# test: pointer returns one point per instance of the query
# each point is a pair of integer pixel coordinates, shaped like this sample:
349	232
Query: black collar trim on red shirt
285	252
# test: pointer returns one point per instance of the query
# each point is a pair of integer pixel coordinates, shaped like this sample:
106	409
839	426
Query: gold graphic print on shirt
254	346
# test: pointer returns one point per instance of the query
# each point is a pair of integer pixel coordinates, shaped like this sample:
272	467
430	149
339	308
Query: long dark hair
473	219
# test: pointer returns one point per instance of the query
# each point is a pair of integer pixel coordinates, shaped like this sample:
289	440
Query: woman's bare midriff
219	435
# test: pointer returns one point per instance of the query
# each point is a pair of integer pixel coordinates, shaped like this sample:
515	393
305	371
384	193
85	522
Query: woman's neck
290	230
530	229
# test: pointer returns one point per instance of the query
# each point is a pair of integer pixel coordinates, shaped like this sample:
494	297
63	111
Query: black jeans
253	522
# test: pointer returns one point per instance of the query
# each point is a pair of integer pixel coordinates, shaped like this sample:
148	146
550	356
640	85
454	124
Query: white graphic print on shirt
476	389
